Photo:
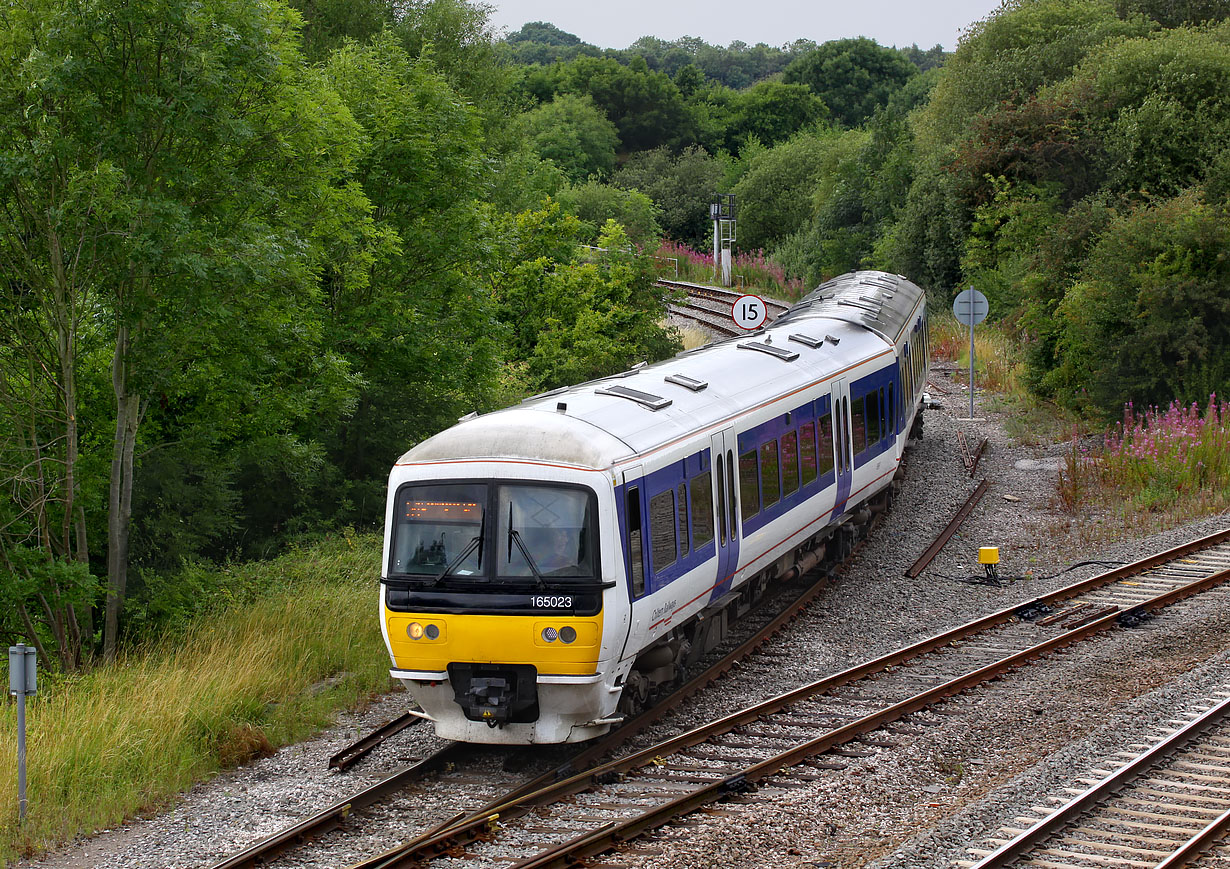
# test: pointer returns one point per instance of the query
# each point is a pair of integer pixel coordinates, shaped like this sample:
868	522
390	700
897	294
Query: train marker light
415	630
432	632
550	634
568	634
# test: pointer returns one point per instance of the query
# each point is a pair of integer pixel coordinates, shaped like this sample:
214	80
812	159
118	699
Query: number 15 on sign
749	312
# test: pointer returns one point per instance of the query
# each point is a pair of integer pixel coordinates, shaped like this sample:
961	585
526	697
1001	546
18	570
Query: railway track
1163	805
710	307
453	755
579	816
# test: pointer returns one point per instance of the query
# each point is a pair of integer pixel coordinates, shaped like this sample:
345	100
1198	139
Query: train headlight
550	634
568	634
415	631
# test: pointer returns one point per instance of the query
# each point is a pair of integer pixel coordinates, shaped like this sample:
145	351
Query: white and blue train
549	566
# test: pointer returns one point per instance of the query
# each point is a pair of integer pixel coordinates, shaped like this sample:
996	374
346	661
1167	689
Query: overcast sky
776	22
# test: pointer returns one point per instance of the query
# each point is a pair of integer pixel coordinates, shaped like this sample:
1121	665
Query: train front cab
496	609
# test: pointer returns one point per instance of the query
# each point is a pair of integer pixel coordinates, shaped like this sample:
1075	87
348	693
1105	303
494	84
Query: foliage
645	106
1150	314
682	187
772	112
1154	468
752	270
594	204
419	332
573	321
775	194
853	77
127	738
574	135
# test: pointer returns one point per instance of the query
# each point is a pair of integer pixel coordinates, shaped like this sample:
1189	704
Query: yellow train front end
493	606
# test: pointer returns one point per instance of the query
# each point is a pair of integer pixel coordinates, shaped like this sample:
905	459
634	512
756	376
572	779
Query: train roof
599	424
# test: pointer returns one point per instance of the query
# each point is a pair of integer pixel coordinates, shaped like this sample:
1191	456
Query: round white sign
749	312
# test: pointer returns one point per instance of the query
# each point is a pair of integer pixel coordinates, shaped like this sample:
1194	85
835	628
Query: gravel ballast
957	773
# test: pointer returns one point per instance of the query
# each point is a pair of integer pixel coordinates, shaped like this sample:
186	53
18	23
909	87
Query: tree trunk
119	514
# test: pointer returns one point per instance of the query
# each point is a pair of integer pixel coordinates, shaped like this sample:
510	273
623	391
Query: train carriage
549	566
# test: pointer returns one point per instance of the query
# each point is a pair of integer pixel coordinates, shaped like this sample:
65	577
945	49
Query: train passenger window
858	425
790	463
770	474
826	444
873	417
807	453
749	484
681	510
635	559
662	552
701	490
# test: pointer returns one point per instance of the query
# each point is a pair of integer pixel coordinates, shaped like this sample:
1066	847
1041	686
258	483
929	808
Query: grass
752	271
124	739
1153	470
998	358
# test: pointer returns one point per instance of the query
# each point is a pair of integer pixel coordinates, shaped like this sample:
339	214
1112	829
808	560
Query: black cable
1001	581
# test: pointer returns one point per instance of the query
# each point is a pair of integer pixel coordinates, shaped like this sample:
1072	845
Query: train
550	567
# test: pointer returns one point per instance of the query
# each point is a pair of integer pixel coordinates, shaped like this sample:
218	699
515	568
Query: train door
725	505
843	458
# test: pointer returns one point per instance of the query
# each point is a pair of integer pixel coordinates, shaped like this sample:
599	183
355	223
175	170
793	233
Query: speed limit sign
749	312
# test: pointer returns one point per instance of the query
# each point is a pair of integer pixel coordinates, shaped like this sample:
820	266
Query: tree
570	320
772	112
595	204
776	194
167	170
645	106
681	187
852	76
570	132
420	330
1147	321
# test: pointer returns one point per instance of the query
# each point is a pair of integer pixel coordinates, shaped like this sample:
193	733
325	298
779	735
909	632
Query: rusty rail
356	751
934	549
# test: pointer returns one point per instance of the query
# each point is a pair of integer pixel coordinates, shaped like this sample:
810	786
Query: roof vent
779	352
645	399
807	340
687	382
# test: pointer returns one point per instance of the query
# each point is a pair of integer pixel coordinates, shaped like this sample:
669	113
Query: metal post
971	367
21	757
23	680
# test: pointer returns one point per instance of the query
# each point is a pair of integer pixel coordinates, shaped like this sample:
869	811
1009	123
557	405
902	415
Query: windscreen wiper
461	556
514	536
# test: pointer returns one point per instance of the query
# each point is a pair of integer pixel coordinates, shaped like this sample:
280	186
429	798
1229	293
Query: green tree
1149	319
645	106
574	321
419	331
594	204
853	77
570	132
772	112
180	160
680	186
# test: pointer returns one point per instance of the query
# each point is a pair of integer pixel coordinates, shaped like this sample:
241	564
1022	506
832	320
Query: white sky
619	23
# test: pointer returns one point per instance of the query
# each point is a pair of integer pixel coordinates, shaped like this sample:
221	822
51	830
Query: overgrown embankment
251	676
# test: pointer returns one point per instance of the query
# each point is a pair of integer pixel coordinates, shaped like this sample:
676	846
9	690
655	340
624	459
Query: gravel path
957	774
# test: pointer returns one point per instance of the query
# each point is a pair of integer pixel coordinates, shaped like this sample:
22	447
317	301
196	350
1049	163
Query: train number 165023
563	601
